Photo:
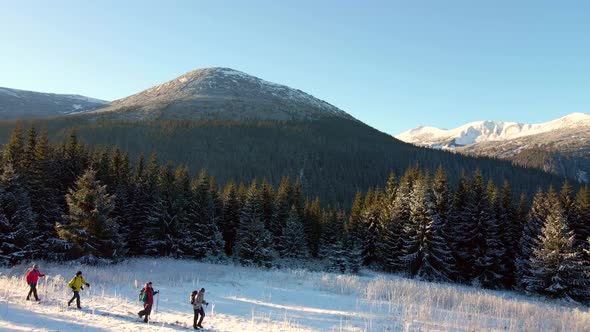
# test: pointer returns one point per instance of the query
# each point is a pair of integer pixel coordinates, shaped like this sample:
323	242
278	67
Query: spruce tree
202	235
253	246
313	226
281	209
493	270
293	242
396	217
88	225
557	268
230	217
16	205
530	237
464	230
426	253
44	198
371	229
581	225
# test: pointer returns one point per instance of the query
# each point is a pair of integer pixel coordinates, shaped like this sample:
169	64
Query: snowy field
247	299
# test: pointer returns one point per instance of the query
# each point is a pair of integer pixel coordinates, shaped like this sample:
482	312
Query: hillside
22	104
241	127
221	93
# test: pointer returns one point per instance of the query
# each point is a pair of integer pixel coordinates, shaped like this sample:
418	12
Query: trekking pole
45	288
157	301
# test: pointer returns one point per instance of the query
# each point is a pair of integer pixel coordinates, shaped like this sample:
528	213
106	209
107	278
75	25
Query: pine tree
44	197
493	270
293	242
202	235
530	237
557	268
267	197
426	253
353	227
463	230
89	226
280	211
16	205
581	225
254	246
511	227
396	216
6	245
14	150
442	208
313	226
371	229
230	217
332	246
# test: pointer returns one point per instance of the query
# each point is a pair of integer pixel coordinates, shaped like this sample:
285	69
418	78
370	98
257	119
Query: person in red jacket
147	296
32	279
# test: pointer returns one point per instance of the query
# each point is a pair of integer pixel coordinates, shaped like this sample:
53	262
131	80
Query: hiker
147	296
197	300
76	285
32	278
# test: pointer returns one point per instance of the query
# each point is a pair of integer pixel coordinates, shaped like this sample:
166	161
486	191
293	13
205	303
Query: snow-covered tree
253	246
88	225
281	208
530	237
202	235
463	230
557	268
426	253
230	217
491	265
293	243
23	235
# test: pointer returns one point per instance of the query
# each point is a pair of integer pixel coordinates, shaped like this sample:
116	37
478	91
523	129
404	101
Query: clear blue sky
392	64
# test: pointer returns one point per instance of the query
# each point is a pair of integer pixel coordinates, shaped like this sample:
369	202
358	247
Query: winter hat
35	266
78	273
202	289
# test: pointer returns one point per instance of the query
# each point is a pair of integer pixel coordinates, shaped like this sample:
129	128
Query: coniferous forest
65	201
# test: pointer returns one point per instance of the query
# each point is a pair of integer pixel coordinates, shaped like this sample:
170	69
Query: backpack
142	294
193	295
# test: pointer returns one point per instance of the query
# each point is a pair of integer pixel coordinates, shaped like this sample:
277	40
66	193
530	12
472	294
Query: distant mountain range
22	104
240	127
561	146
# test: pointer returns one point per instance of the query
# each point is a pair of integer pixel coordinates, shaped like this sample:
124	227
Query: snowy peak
488	131
224	92
20	104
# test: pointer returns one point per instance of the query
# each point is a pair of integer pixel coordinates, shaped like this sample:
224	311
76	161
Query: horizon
444	64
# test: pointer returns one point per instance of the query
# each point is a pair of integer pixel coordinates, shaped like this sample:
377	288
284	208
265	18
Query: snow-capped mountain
560	146
22	104
222	93
486	131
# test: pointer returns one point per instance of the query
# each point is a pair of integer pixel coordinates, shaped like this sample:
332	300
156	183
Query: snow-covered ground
248	299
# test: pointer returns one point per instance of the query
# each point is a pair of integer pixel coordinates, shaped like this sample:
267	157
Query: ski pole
157	301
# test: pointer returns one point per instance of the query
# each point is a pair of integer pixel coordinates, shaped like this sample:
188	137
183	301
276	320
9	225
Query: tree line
65	201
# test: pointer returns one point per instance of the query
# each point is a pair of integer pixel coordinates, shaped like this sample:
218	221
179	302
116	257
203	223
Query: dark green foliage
253	246
557	268
332	157
293	242
88	224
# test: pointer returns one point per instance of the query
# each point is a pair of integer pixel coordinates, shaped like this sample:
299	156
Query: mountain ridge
220	92
26	104
560	146
485	131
